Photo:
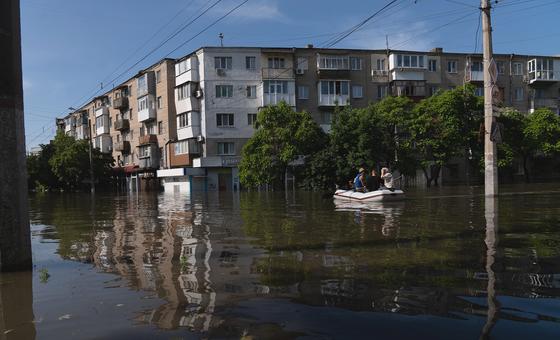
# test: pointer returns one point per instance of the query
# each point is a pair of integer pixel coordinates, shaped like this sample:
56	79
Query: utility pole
15	241
490	74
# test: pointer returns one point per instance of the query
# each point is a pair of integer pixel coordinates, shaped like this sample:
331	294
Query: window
541	69
501	67
381	92
357	91
355	63
302	63
222	63
151	129
476	66
413	61
333	62
159	103
251	119
142	83
326	117
452	66
519	94
432	65
380	64
276	62
183	120
143	103
99	121
182	147
181	67
303	92
226	148
160	128
183	91
251	91
334	87
224	120
479	91
158	76
224	91
275	86
144	151
250	62
517	69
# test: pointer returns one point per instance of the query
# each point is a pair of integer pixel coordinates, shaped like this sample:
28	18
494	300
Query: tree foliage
282	135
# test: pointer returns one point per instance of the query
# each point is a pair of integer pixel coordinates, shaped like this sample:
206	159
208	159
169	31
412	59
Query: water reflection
222	264
16	306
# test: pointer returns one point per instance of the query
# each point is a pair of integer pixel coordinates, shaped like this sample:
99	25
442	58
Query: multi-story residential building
190	117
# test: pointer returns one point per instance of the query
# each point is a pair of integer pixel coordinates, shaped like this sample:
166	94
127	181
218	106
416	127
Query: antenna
221	36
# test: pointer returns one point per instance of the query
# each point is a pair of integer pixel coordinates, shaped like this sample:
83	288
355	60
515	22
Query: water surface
443	264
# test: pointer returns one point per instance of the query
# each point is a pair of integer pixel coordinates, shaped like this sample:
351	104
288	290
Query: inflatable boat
370	196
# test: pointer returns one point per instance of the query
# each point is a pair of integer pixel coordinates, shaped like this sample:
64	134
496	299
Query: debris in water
65	317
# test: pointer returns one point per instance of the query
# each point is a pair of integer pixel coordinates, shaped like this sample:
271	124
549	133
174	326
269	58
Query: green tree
39	173
282	135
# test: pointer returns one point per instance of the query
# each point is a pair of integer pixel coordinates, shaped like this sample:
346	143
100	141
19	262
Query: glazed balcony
147	139
120	103
122	124
122	146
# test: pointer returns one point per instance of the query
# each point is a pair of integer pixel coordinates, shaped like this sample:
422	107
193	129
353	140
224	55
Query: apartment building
189	118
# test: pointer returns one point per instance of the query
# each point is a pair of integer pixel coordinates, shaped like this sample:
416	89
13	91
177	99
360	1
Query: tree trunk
428	178
435	173
525	170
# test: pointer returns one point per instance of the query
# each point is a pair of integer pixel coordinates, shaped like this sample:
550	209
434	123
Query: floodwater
443	264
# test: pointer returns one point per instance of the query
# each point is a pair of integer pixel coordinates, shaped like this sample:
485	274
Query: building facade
183	123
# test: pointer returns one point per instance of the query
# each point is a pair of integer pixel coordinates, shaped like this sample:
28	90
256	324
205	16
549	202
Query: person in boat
387	178
360	181
373	181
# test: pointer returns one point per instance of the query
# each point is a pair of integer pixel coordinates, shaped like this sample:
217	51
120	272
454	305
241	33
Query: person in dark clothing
372	181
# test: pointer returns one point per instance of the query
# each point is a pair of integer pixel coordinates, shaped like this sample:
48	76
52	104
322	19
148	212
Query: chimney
437	50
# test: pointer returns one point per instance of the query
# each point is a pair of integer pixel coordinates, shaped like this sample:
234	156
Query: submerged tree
282	135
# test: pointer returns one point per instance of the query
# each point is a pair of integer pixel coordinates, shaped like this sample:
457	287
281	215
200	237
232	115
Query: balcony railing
278	73
120	103
122	146
276	98
474	76
147	139
551	103
122	124
333	100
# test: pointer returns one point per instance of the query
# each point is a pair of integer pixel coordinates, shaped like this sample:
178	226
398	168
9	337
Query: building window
519	94
357	91
302	63
224	91
151	129
476	66
223	63
381	92
380	64
143	103
183	91
250	63
479	91
251	119
333	63
224	120
432	65
276	86
181	67
225	149
404	60
501	67
303	92
276	62
159	103
433	90
158	76
334	87
326	117
452	66
355	63
99	121
251	91
142	83
541	69
160	128
183	120
182	147
144	151
517	69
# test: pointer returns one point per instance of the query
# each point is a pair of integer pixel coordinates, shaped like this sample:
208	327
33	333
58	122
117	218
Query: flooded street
440	265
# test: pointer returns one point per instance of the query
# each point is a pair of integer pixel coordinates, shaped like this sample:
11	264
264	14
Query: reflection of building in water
195	259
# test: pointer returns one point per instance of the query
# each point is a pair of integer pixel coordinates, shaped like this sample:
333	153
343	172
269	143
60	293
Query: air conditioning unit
300	71
221	72
200	139
198	94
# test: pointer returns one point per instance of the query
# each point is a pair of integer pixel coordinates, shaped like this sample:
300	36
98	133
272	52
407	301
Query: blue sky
71	46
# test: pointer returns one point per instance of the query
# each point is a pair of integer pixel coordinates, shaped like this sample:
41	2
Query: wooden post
15	242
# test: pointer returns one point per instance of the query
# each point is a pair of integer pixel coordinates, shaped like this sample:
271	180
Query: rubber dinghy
370	196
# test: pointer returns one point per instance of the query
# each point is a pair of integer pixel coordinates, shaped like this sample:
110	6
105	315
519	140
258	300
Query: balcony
474	76
188	76
120	103
538	103
100	111
541	70
278	73
122	146
333	100
146	108
276	98
147	139
103	143
187	104
122	124
148	163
